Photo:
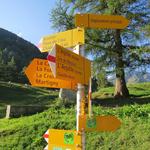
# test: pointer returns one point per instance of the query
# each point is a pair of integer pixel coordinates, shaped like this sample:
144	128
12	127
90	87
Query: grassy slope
19	94
139	93
26	132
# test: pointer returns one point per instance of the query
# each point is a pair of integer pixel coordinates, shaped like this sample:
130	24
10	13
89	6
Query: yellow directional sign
40	75
67	65
64	140
101	21
66	39
98	123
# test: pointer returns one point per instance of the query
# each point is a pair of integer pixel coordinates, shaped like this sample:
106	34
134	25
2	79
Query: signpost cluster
66	69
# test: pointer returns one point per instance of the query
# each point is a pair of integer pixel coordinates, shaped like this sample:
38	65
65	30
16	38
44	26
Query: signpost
40	75
101	21
69	70
64	139
66	39
98	123
67	65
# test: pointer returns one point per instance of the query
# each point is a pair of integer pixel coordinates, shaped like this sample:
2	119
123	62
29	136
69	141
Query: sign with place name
40	75
101	21
67	65
98	123
66	39
64	140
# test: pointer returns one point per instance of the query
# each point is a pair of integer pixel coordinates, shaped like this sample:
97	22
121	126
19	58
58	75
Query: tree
113	50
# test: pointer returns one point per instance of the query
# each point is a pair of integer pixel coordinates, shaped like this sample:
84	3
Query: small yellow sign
40	75
64	139
101	21
98	123
66	39
69	66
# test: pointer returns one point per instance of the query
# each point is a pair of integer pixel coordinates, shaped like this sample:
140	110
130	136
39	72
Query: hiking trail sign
64	140
101	21
66	39
40	75
98	123
67	65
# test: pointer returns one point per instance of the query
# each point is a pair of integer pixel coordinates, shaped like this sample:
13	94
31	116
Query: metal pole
89	98
80	100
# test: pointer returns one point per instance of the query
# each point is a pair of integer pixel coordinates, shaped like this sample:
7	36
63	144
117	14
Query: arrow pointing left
40	75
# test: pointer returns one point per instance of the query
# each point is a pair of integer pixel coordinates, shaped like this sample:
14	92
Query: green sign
91	122
68	138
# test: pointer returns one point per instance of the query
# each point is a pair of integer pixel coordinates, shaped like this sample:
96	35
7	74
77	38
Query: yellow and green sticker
68	138
91	122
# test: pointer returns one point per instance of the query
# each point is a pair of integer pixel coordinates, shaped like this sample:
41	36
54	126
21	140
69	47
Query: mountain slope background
15	54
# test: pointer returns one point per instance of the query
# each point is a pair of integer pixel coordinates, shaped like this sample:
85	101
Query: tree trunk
120	85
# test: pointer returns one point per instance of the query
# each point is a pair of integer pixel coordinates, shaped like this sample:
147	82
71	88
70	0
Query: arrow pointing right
99	123
101	21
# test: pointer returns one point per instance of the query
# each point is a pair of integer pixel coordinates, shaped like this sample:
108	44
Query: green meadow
25	133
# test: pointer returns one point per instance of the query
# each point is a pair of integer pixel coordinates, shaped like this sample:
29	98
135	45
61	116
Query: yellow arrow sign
40	75
67	65
66	39
64	139
99	123
101	21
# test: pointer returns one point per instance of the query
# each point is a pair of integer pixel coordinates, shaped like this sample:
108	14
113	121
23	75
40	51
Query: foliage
112	50
15	54
139	90
23	94
26	132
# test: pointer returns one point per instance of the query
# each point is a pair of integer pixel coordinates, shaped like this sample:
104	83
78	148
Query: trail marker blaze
40	75
66	39
68	65
101	21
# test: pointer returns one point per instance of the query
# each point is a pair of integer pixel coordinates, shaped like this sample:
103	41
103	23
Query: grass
139	93
25	133
21	94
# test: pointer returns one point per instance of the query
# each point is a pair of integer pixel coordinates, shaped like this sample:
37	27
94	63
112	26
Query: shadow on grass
112	102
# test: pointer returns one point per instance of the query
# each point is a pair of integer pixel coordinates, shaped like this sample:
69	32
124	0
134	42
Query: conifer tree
112	50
